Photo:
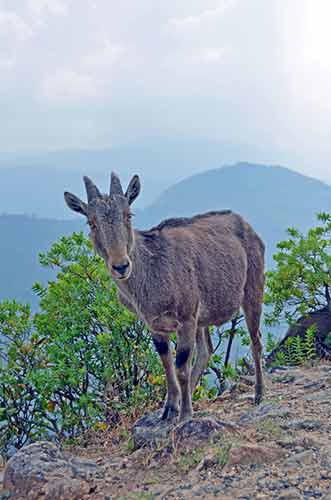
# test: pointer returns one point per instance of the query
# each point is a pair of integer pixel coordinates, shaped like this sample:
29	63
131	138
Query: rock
199	429
296	442
273	369
208	461
315	384
322	397
262	496
325	474
151	430
304	458
252	454
5	495
268	410
248	379
290	494
284	379
305	424
325	453
41	470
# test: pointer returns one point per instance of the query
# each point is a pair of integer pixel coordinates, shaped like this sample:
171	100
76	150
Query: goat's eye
129	215
92	224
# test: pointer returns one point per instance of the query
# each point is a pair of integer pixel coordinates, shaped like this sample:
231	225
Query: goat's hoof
184	417
170	412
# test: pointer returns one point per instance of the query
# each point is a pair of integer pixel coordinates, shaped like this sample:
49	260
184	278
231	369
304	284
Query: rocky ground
230	450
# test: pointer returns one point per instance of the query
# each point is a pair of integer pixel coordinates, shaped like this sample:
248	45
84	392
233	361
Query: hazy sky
97	73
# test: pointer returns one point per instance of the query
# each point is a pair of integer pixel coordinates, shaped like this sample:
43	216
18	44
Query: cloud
13	26
227	70
188	60
69	86
40	9
7	63
14	33
190	23
198	39
210	55
105	56
89	78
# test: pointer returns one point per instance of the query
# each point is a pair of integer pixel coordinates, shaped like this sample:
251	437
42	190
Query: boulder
42	470
152	431
265	410
306	457
252	454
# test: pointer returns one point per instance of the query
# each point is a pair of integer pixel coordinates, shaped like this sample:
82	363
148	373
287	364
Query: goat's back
204	259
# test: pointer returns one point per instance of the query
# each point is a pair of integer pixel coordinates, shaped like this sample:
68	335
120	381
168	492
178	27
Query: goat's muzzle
120	271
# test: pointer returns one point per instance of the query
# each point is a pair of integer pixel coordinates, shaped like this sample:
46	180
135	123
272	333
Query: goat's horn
91	190
115	185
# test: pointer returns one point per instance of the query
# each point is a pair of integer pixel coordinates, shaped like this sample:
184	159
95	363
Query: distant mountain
36	190
34	183
270	198
22	238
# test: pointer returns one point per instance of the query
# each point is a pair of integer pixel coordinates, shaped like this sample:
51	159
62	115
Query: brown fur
321	319
182	275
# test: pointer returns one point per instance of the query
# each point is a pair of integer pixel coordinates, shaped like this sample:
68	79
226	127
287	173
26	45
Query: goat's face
109	218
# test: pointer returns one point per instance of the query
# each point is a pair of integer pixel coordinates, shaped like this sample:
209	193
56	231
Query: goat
182	276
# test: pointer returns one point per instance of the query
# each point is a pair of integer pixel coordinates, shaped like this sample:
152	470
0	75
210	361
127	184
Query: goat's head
109	218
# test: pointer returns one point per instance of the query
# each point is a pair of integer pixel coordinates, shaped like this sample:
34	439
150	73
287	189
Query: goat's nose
121	268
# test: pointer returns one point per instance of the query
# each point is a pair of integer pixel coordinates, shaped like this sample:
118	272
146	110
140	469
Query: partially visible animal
181	276
321	320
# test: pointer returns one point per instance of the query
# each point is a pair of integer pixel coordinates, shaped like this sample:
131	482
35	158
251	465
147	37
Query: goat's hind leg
252	306
204	349
171	407
253	315
186	337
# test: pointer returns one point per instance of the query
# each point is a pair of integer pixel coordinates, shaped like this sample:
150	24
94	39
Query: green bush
297	350
300	283
271	343
82	360
309	342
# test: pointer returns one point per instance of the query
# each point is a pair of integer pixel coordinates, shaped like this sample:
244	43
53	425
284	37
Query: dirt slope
280	450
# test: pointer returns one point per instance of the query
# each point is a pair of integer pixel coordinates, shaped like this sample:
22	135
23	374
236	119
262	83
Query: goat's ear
133	189
75	203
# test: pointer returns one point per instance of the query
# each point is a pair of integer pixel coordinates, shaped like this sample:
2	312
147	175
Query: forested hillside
22	238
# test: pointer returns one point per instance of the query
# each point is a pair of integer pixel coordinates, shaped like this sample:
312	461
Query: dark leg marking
161	346
182	357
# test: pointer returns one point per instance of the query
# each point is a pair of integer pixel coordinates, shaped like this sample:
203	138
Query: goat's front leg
185	346
171	408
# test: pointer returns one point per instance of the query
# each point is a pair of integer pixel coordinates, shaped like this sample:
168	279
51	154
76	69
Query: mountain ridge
161	162
271	198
